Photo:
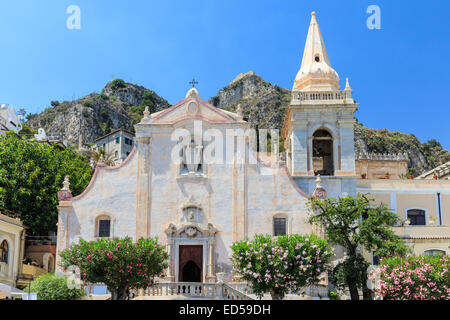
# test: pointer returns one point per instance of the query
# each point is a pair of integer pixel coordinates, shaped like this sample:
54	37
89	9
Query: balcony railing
9	213
326	97
40	240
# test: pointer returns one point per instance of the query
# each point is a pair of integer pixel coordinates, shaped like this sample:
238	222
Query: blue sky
400	74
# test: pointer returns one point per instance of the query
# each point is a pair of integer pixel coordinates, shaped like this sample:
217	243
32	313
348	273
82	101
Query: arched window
416	217
434	253
323	153
103	227
4	252
279	226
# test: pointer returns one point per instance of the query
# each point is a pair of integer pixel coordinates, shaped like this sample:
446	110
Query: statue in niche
192	159
191	214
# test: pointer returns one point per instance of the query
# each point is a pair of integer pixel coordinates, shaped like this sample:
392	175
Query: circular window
192	108
317	58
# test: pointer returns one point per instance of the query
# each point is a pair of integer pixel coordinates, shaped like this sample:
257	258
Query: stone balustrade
326	96
195	290
382	157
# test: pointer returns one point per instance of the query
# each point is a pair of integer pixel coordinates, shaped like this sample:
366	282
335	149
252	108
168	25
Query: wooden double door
190	263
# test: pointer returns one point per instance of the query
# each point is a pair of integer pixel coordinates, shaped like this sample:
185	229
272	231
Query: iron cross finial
193	82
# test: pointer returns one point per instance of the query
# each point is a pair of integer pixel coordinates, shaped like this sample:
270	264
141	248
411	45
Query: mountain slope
265	106
121	105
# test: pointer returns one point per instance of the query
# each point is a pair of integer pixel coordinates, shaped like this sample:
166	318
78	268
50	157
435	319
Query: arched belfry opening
323	153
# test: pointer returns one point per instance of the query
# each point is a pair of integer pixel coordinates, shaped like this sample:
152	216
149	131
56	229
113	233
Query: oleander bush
413	278
283	264
120	264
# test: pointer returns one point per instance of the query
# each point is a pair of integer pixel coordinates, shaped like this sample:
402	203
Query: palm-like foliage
107	157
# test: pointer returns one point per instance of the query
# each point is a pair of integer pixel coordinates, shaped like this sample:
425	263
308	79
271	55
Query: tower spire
316	73
315	46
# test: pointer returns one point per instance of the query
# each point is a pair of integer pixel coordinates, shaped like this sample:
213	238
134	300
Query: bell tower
319	124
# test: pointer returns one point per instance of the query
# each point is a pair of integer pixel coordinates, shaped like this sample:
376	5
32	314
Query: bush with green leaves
413	278
120	264
117	84
283	264
51	287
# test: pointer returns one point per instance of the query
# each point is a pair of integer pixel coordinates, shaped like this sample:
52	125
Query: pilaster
143	190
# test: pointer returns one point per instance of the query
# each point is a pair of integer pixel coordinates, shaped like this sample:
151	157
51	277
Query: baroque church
198	208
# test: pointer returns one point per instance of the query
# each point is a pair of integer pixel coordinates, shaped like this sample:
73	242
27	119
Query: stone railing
228	293
423	232
195	290
382	157
316	291
241	287
320	291
9	213
36	241
327	96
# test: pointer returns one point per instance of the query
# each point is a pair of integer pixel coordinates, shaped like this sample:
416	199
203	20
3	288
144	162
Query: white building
9	121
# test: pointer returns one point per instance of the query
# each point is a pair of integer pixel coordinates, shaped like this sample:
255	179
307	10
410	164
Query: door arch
191	272
191	263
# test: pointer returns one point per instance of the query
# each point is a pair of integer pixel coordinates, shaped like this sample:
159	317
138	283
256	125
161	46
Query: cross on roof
193	82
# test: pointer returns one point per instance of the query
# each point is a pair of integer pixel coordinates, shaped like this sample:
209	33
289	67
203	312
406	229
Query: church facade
196	208
195	181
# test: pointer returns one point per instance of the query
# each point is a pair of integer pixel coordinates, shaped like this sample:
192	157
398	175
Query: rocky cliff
264	105
121	105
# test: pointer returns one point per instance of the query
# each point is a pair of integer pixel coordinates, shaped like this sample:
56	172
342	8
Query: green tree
51	287
31	174
118	263
282	264
354	224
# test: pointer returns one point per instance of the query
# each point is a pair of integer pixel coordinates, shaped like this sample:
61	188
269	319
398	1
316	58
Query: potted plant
364	176
388	175
435	177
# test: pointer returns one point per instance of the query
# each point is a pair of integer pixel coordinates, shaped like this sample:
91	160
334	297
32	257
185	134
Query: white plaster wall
113	193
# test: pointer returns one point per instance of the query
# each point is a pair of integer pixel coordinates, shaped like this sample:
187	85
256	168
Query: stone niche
192	214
